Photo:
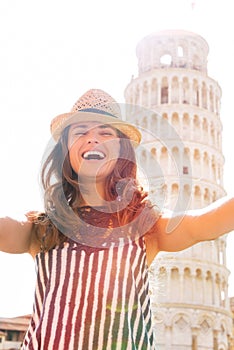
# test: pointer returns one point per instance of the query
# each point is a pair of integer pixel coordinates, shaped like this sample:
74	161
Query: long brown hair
62	193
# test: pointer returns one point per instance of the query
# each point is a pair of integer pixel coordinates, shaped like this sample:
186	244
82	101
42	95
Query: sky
51	52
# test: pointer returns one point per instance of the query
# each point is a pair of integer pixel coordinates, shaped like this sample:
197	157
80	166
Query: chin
96	171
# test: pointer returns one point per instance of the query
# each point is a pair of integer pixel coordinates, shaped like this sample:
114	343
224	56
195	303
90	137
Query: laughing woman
98	235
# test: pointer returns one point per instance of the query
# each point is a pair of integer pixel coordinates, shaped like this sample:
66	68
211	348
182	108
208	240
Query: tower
178	105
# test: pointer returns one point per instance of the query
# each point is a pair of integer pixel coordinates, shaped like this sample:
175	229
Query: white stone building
178	105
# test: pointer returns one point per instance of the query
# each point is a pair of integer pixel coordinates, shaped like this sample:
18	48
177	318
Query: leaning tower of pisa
177	106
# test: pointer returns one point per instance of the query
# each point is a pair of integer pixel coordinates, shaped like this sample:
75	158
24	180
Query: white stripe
38	295
96	297
115	294
131	297
87	287
35	317
134	266
130	302
68	298
78	297
105	292
58	296
47	305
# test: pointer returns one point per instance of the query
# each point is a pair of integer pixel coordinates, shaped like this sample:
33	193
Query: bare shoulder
167	235
17	236
151	240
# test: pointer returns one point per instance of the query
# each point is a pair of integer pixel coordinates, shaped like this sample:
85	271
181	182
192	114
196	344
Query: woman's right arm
17	236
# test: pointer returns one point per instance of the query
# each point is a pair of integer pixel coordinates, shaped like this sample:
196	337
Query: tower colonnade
211	281
190	89
189	123
201	163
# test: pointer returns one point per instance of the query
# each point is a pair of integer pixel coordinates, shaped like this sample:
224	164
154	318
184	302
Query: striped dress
91	299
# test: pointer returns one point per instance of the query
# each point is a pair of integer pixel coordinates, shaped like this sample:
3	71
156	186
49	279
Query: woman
98	235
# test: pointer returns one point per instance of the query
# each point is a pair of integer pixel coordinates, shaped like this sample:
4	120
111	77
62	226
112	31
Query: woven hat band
95	110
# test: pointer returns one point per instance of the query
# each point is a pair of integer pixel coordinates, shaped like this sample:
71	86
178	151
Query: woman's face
93	149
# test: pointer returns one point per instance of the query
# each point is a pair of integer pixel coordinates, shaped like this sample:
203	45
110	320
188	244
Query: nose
92	138
92	141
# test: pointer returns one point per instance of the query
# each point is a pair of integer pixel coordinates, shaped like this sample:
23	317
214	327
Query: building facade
177	106
12	331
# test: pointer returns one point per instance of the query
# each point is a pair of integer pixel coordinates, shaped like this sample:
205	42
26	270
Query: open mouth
96	155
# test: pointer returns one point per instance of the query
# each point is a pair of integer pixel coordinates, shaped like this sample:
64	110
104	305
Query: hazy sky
51	53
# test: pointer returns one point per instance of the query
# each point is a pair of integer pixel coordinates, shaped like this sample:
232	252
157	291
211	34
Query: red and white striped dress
91	299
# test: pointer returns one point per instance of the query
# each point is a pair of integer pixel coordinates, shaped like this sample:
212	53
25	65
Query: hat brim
60	122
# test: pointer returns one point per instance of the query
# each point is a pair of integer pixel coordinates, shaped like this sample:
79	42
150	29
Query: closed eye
80	133
107	133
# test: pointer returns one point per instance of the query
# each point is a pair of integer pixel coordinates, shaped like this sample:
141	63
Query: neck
93	193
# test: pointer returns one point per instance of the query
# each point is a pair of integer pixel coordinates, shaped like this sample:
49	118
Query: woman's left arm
177	232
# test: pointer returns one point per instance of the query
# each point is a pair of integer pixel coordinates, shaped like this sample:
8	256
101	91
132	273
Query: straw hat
95	105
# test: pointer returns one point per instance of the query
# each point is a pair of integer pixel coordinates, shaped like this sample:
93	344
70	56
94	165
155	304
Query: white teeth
93	155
